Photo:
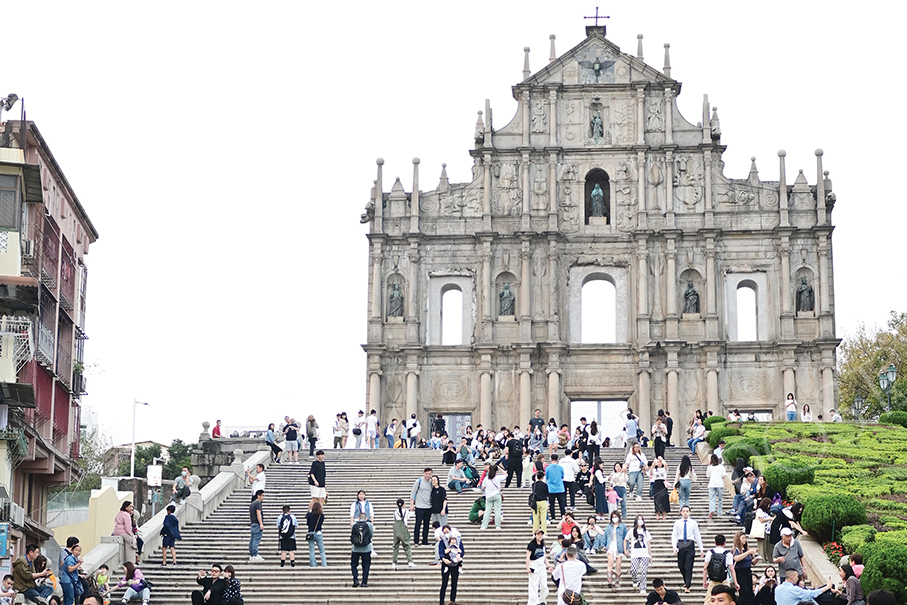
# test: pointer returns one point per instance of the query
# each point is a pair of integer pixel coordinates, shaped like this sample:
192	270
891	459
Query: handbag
757	531
310	535
674	497
357	431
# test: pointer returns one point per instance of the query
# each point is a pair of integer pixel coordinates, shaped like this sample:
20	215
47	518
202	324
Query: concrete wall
102	510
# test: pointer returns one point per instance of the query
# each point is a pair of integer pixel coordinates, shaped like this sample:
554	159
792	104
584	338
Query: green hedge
822	513
894	418
885	568
855	536
780	475
708	422
720	433
746	447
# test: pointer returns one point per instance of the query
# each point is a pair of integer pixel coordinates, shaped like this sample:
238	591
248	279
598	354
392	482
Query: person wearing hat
788	554
537	567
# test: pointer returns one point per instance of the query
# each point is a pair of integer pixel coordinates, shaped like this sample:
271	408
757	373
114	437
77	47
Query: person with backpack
314	520
286	533
719	564
420	503
554	476
401	535
361	539
514	460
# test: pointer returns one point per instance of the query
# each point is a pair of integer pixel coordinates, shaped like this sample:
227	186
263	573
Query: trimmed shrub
885	568
708	422
717	434
806	493
779	476
899	536
822	513
745	448
894	418
855	536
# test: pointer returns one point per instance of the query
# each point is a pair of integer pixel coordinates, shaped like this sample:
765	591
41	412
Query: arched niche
687	277
395	306
599	177
758	283
802	273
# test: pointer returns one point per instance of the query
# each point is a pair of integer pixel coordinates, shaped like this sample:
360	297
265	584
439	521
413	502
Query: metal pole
132	453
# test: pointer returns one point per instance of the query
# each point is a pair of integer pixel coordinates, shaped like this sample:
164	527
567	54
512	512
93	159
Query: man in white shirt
257	480
685	537
719	566
413	430
359	425
372	426
571	467
570	574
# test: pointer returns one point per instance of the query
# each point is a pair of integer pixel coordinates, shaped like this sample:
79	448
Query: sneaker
642	591
411	564
259	558
355	584
365	585
394	566
435	564
528	522
639	498
374	553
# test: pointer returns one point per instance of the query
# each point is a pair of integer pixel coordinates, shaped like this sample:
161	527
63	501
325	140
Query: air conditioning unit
28	248
16	514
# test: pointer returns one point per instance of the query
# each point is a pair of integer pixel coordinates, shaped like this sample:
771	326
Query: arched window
747	325
599	313
451	316
601	206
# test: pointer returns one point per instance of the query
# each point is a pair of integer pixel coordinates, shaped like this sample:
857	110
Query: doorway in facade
605	412
454	424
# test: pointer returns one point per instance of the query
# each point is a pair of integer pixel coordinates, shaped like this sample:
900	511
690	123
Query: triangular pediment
595	60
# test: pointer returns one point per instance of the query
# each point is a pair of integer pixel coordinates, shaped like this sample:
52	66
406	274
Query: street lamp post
132	454
857	406
886	382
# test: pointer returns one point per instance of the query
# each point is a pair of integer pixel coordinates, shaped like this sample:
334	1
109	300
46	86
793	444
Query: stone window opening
599	313
747	312
451	316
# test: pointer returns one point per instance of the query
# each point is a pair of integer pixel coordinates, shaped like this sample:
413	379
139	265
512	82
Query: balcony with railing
50	254
79	383
64	366
45	352
67	278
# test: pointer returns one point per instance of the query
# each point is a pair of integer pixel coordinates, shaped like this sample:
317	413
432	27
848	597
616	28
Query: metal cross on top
597	17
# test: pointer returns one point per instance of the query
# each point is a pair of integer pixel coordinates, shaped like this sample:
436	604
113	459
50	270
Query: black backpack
286	529
516	449
361	534
717	569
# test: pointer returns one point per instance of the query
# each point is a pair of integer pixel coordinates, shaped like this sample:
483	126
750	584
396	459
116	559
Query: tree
863	357
92	449
180	456
144	456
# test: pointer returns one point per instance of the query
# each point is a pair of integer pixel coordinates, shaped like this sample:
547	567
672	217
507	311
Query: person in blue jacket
614	536
170	533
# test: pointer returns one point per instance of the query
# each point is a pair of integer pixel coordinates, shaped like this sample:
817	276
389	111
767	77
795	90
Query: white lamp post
132	454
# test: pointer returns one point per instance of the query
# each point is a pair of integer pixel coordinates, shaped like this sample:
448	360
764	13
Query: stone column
487	293
412	404
412	294
552	118
642	292
671	290
414	205
709	215
787	316
552	191
644	395
782	191
486	191
377	299
669	117
377	223
525	293
374	391
669	189
553	289
828	388
825	317
554	395
711	318
524	105
789	382
673	407
527	192
525	392
485	399
711	399
640	116
821	214
641	189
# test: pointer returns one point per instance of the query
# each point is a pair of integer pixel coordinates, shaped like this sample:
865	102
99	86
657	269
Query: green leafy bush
894	418
885	568
822	513
780	475
717	434
899	536
855	536
708	422
745	448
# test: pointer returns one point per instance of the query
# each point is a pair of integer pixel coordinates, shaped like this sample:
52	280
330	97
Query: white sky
225	150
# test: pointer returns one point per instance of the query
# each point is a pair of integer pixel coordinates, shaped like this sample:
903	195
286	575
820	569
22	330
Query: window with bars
9	202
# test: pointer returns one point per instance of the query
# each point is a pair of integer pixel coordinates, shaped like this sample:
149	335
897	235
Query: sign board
154	475
4	540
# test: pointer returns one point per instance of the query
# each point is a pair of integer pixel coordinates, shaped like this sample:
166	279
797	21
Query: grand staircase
494	564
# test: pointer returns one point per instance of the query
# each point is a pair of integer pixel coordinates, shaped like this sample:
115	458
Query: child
439	535
171	533
7	594
435	441
613	499
286	532
102	579
401	535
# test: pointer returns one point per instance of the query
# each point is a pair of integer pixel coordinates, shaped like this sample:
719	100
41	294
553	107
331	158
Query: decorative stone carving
569	207
806	299
450	390
688	182
617	126
597	70
507	198
597	129
540	188
654	121
539	117
506	301
752	386
599	379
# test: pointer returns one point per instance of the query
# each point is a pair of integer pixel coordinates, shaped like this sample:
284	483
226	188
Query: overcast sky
225	151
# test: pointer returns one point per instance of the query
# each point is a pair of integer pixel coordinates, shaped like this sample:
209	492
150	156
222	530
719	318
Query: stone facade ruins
599	177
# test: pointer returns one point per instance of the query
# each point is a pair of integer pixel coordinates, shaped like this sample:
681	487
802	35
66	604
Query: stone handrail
113	550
